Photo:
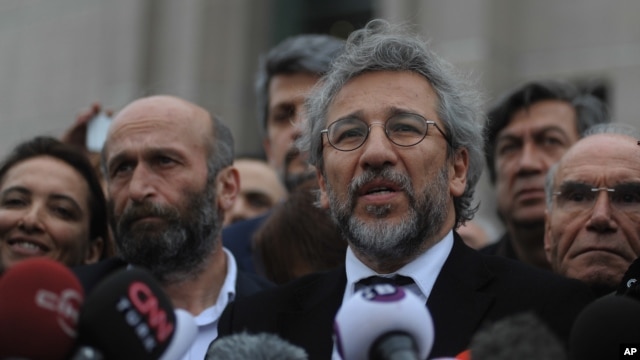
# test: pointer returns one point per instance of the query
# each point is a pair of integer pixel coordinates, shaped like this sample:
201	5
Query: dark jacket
471	290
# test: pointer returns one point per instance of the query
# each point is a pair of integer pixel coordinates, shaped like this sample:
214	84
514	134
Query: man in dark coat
395	139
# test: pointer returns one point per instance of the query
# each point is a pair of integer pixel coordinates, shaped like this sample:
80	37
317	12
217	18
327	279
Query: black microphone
630	283
183	337
603	327
243	346
383	322
128	315
39	303
517	337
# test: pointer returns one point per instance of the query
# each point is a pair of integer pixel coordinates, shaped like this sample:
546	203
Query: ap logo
629	351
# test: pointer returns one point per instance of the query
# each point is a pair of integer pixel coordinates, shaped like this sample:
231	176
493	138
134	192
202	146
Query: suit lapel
316	304
457	303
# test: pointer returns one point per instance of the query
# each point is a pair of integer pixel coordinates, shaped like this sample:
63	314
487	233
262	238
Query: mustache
134	212
291	154
388	174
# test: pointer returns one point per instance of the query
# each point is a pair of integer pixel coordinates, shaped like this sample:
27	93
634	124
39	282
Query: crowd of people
373	149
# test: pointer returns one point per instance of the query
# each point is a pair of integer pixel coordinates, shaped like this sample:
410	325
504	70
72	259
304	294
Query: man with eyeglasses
394	136
592	230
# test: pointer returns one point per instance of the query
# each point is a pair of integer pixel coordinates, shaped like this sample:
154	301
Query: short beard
176	250
293	180
377	239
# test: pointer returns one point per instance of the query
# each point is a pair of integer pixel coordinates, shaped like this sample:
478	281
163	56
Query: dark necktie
397	280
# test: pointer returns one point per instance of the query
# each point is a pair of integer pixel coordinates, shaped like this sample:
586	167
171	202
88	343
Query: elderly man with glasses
395	139
592	229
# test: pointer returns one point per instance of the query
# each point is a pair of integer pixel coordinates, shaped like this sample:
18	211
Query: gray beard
176	250
380	241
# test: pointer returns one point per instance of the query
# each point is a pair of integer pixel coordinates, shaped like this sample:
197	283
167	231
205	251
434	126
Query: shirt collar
228	291
424	270
207	320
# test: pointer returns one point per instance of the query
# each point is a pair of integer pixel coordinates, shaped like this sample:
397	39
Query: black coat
471	290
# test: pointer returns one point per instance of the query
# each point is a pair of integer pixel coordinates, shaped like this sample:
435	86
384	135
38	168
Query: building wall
59	56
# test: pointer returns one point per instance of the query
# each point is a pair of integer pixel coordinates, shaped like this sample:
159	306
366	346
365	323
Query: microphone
630	284
603	328
183	337
128	315
243	346
39	303
519	336
383	322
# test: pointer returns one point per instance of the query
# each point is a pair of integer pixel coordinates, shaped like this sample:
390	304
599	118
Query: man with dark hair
168	167
285	77
395	140
526	132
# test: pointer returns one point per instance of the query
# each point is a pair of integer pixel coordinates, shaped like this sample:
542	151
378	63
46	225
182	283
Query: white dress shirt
207	320
424	271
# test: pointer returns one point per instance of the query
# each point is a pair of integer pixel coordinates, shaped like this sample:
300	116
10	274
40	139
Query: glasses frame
598	189
593	189
384	126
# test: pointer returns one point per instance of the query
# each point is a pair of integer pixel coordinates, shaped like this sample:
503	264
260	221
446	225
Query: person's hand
77	133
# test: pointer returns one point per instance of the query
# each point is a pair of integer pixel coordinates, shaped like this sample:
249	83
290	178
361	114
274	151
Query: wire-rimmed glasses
402	129
577	197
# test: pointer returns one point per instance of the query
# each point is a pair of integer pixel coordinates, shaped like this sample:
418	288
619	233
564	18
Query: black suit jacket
92	275
471	290
237	238
502	247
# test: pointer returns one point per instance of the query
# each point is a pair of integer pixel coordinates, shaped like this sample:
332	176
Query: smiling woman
51	204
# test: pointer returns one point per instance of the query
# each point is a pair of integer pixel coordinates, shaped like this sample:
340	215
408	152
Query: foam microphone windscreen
39	303
603	326
374	313
128	316
243	346
518	336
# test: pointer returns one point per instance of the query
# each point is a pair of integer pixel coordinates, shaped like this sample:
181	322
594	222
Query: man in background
260	190
286	75
527	131
592	230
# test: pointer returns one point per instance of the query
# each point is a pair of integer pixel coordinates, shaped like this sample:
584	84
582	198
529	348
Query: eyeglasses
577	197
403	129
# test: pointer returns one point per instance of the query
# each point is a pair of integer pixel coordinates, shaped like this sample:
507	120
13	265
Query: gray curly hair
380	46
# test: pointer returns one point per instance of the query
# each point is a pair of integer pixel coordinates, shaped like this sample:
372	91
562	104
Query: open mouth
378	188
